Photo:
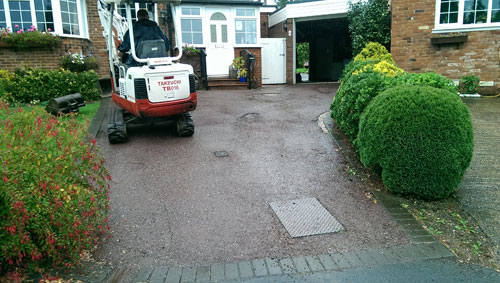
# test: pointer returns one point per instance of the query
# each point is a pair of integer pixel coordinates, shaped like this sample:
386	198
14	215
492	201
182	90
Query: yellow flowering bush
374	51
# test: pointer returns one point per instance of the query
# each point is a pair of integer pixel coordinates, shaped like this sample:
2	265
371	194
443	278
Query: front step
226	84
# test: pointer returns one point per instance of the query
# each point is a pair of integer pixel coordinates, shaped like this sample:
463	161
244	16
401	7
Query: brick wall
264	23
45	58
257	72
277	31
412	24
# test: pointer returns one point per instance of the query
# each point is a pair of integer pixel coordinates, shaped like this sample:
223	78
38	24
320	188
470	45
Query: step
228	86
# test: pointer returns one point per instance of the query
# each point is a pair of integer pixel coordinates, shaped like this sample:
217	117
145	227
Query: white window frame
56	15
256	18
192	17
459	26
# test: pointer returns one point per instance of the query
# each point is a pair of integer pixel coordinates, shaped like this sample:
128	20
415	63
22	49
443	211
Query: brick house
451	37
222	27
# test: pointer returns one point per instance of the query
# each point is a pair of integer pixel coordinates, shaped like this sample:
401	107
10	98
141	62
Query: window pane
240	38
186	38
453	18
213	33
482	5
25	5
186	11
185	25
224	33
239	25
250	26
197	38
481	17
66	29
496	4
495	16
443	19
445	7
15	16
196	25
469	5
468	18
195	11
218	17
454	6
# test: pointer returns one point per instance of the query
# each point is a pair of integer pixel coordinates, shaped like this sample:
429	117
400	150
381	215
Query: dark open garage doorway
330	48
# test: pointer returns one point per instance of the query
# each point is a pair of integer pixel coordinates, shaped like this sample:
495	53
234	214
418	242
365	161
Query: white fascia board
317	8
267	9
278	17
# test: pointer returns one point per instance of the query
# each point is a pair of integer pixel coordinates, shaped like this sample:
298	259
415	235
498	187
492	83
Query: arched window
218	17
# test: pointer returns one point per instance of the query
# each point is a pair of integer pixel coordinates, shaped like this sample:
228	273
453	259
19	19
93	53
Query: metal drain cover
221	154
305	217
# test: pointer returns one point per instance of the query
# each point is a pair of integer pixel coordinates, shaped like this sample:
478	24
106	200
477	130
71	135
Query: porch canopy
310	10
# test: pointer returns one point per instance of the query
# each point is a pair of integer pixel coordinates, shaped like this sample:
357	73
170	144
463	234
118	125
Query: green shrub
352	98
419	139
374	51
426	79
469	84
23	39
53	193
354	66
79	63
37	84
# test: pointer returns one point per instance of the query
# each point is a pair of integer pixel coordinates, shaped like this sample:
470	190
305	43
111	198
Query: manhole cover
305	217
221	154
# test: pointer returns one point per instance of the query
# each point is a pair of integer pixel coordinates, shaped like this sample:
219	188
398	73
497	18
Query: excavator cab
156	89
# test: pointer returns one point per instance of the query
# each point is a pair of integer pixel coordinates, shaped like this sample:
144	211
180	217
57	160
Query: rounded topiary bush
53	190
418	138
352	98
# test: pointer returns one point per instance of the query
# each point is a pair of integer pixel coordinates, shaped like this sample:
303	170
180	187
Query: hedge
419	139
53	201
27	85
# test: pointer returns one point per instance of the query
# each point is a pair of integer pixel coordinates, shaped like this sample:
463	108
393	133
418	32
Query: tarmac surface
175	203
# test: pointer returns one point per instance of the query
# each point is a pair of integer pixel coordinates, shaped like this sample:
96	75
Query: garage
322	27
329	48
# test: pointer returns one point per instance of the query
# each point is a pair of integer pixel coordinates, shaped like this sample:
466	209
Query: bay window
464	15
62	17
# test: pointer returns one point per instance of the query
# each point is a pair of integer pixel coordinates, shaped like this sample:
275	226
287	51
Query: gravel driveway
174	202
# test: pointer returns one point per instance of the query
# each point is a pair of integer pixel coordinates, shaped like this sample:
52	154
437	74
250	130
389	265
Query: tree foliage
302	53
369	21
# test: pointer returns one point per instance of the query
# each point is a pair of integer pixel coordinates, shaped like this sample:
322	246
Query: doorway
220	52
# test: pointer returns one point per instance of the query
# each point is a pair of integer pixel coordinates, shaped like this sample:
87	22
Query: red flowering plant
53	190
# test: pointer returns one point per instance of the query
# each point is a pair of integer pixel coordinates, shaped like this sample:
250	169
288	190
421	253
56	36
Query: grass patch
302	70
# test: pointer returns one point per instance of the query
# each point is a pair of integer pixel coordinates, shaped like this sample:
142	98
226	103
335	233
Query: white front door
273	60
220	52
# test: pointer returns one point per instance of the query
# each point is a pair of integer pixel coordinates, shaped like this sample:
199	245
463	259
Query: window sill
465	29
63	36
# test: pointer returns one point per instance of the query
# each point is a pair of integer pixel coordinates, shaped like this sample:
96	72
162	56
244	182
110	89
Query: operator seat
154	48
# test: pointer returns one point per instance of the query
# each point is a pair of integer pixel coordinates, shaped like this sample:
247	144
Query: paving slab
485	113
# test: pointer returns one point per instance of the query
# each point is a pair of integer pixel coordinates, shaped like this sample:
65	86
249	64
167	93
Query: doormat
305	217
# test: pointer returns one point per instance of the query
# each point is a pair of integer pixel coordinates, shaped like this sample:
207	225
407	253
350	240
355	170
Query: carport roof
310	10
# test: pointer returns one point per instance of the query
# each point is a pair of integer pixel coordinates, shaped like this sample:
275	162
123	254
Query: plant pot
233	73
243	79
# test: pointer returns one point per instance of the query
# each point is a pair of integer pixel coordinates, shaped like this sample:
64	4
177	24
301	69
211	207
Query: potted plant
235	67
469	85
242	74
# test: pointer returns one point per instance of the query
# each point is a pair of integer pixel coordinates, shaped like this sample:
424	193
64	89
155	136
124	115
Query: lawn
302	70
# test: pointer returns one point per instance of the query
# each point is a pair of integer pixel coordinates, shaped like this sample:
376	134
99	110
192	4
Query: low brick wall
257	72
411	48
